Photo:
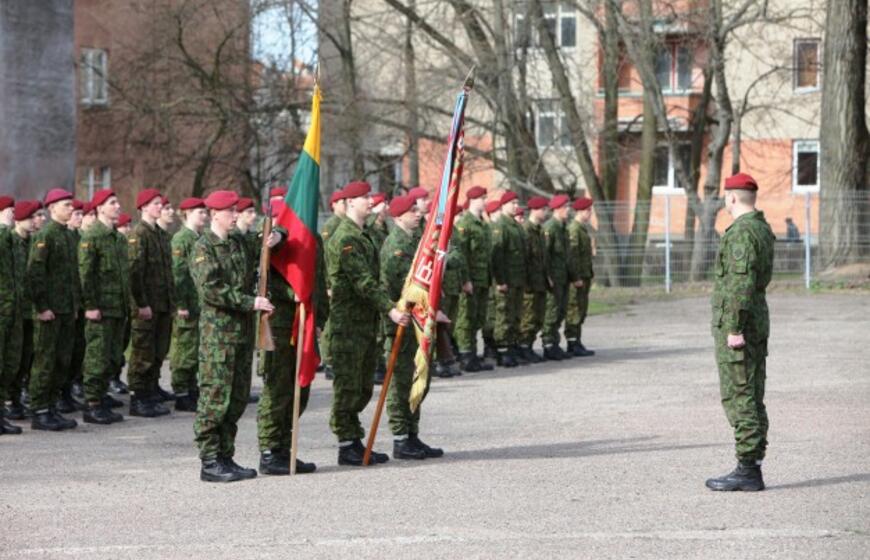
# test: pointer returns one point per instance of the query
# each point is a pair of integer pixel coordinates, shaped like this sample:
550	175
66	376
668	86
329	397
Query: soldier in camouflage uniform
487	331
535	296
472	239
10	311
556	238
358	300
338	205
225	281
509	277
376	228
184	359
580	274
153	291
741	327
104	275
116	385
72	389
52	274
24	229
396	258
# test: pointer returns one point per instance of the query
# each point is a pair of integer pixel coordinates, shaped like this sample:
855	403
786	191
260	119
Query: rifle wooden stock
264	329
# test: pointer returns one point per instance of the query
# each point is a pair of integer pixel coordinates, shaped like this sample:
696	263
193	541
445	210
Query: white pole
807	263
297	389
668	243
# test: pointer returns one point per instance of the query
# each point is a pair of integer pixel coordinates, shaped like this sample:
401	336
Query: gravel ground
600	457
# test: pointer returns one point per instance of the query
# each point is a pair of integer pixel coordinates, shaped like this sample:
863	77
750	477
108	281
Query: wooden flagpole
391	364
297	389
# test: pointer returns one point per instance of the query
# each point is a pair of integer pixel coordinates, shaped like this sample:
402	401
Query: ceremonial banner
296	258
422	291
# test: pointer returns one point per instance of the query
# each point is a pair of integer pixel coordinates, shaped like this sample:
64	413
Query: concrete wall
37	97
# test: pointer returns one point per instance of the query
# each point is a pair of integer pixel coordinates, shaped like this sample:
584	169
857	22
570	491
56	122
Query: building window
551	125
93	77
674	67
560	19
805	166
664	169
94	179
807	69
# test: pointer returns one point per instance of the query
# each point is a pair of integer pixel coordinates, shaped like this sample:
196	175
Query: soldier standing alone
741	327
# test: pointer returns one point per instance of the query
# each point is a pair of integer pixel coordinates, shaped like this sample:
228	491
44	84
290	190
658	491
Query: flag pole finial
469	79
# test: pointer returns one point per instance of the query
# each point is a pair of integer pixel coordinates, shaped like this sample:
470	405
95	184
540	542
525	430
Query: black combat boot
253	398
65	423
348	454
431	452
453	367
380	374
554	352
277	462
185	403
469	362
486	365
506	358
441	370
142	406
327	372
66	404
96	414
118	387
377	458
77	391
214	470
44	420
530	355
582	351
517	352
16	411
244	472
163	395
113	416
406	448
156	401
108	401
746	477
6	427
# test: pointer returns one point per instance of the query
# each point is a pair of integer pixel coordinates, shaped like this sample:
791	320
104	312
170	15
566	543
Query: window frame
561	13
671	187
94	77
673	49
561	135
796	148
817	42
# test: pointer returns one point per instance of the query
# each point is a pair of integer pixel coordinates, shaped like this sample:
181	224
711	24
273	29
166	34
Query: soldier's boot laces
746	477
140	406
244	472
378	458
6	427
216	471
65	423
277	462
406	448
431	452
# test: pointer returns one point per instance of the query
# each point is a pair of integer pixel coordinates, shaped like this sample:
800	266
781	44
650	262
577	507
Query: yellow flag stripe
312	141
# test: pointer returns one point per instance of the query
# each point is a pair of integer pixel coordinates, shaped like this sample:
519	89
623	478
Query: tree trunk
355	118
843	134
411	103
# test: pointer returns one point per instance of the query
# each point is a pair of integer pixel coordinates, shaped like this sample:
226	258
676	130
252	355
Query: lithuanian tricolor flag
296	258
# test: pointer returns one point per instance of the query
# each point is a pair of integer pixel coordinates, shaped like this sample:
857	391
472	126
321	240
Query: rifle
264	329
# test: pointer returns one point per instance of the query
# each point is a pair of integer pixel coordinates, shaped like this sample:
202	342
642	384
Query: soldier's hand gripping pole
264	329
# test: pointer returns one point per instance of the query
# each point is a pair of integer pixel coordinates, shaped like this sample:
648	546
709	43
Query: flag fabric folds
296	258
421	293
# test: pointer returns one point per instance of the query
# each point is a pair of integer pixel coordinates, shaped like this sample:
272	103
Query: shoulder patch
40	244
177	252
199	259
132	241
738	252
399	253
84	245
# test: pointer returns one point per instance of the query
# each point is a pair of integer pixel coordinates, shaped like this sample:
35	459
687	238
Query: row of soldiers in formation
117	288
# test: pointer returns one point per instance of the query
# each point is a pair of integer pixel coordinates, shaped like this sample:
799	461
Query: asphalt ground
601	457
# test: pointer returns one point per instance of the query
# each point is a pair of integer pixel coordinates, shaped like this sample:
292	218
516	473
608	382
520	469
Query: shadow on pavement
813	482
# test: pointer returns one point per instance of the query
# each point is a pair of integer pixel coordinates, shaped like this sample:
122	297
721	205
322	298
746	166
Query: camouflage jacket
536	257
21	247
472	238
9	278
185	291
377	232
358	299
455	269
556	241
508	258
579	252
743	268
104	272
223	276
150	255
52	270
397	255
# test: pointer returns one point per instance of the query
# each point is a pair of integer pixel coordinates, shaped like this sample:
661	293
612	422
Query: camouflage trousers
76	365
103	355
402	420
470	318
488	329
557	309
11	339
52	350
224	389
149	346
742	377
275	409
325	354
184	354
21	378
578	306
508	316
534	307
354	356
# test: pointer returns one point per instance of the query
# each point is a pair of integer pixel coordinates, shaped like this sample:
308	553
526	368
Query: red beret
336	196
378	197
558	201
400	205
191	203
165	201
356	189
492	206
244	204
78	204
146	196
100	197
582	203
278	191
741	181
87	208
519	211
124	219
475	192
508	196
418	192
537	202
25	209
56	195
6	202
221	200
